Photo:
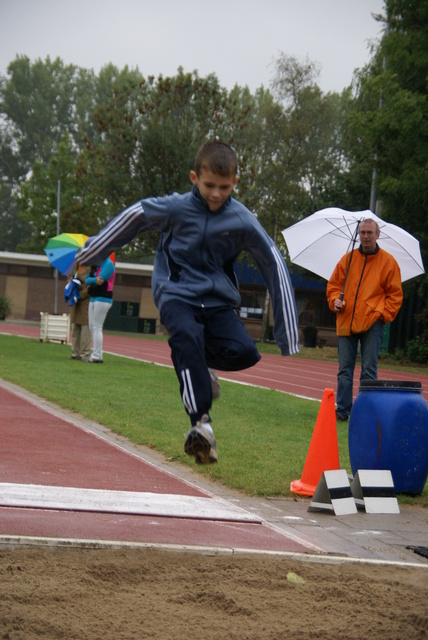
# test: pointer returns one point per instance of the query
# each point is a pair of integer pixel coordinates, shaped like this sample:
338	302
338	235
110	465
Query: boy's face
214	189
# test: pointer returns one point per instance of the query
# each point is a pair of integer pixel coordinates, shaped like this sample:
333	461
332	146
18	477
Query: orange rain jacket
372	291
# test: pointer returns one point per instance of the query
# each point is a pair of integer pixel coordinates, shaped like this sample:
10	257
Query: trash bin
388	429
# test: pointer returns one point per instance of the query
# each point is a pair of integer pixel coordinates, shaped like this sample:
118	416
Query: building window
252	305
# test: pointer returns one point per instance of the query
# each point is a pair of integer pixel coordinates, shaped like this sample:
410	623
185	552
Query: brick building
34	287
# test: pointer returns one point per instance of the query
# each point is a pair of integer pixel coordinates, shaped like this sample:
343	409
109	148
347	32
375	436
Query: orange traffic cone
323	452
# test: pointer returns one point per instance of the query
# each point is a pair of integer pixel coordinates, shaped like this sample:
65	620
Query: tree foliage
113	138
388	127
117	137
390	115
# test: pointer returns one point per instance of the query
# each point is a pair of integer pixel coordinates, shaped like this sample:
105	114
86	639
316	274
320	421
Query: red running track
298	376
42	450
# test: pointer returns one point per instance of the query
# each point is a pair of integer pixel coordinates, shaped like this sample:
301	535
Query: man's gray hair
369	220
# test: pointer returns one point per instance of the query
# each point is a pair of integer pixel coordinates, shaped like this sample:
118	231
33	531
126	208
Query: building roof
249	274
37	260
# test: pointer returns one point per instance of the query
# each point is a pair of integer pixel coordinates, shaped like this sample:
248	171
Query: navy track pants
202	338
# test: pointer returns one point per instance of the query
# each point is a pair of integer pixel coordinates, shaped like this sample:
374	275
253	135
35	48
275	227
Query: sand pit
122	594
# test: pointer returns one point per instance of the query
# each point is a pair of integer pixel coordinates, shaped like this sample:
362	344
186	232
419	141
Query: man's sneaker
200	442
215	384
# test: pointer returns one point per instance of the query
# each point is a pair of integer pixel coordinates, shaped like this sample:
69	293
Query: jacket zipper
204	235
356	295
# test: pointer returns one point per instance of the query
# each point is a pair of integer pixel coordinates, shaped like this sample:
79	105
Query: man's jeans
347	346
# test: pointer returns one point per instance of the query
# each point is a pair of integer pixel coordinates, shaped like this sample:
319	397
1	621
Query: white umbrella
319	241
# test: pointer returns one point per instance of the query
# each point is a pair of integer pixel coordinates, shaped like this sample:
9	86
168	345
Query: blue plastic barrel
388	429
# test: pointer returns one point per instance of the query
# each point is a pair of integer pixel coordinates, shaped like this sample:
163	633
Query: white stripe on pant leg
191	392
188	396
185	395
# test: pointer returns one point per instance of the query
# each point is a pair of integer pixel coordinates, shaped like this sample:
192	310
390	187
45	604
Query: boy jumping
194	287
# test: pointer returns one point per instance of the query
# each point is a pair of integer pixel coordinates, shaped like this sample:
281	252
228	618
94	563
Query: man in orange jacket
371	297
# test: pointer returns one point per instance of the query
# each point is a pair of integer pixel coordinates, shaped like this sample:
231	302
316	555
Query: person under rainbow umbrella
61	250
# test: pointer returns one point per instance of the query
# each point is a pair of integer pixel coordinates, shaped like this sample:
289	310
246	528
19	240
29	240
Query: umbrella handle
341	300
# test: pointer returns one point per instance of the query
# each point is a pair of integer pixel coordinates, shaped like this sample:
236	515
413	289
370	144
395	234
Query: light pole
57	233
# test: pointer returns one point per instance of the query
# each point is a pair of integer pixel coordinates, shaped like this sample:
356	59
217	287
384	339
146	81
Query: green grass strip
262	435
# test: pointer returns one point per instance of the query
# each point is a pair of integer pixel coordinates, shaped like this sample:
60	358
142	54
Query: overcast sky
235	39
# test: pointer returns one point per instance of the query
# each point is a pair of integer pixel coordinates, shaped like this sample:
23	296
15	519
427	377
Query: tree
37	199
104	167
176	116
12	229
316	159
390	115
390	122
296	150
39	103
148	132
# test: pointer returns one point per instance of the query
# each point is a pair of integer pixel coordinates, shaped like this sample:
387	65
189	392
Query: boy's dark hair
217	157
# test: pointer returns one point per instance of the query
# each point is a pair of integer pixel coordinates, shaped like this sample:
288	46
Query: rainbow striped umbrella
61	250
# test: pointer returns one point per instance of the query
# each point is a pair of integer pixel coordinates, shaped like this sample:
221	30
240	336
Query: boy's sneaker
215	384
200	442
